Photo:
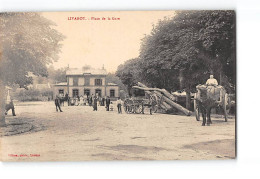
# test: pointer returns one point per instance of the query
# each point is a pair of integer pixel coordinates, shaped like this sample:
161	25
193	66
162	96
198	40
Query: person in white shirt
119	104
212	81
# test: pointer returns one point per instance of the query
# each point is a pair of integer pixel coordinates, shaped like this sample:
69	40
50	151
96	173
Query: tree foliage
129	73
192	44
57	76
28	44
181	52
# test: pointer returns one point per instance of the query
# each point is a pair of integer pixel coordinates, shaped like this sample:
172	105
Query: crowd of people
88	100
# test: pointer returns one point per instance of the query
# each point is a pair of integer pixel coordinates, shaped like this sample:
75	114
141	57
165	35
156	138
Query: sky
102	42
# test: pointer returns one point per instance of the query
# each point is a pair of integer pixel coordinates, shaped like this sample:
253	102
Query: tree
189	47
28	43
57	76
129	73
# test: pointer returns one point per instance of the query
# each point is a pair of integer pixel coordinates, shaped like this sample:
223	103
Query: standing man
119	104
9	106
107	103
103	101
67	98
57	103
91	100
95	103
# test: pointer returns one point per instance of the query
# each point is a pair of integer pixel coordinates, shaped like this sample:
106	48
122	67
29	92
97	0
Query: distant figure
67	98
95	103
81	101
212	81
107	103
76	101
88	100
91	100
57	104
119	105
9	106
69	101
111	106
85	97
103	101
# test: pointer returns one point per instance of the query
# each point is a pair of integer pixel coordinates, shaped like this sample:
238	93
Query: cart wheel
126	106
153	108
129	109
225	107
138	109
196	108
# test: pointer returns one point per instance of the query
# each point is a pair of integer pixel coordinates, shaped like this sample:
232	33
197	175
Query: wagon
139	101
220	98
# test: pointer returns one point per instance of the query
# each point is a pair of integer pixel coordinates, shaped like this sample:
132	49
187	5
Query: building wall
70	81
57	88
91	88
92	80
116	88
105	90
81	80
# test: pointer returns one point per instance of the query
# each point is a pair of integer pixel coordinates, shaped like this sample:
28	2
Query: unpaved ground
79	134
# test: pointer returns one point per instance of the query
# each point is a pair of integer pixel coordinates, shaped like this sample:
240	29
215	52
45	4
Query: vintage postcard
118	85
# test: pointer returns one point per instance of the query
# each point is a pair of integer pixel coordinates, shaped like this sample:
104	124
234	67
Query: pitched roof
78	71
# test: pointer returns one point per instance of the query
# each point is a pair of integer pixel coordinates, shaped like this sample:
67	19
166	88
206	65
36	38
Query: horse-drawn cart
208	97
140	101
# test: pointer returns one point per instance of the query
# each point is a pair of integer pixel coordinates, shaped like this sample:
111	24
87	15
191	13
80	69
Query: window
75	93
86	81
61	92
98	82
86	92
112	93
98	92
75	81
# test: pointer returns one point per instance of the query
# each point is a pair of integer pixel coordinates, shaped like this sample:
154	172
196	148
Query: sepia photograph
118	85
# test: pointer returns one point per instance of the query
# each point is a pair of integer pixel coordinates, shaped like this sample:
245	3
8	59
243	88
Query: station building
82	82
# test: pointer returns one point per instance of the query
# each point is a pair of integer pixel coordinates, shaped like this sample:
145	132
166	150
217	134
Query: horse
209	97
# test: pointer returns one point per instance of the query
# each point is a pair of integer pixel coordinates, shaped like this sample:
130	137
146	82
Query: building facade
88	82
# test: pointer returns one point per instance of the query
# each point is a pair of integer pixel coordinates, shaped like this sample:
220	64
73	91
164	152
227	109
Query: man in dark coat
91	100
103	101
57	103
95	103
107	103
10	106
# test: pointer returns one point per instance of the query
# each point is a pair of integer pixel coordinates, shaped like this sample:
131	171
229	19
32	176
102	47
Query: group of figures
86	100
208	96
